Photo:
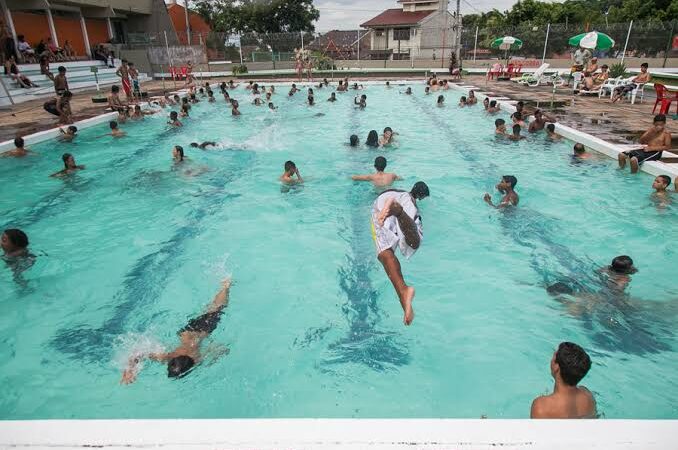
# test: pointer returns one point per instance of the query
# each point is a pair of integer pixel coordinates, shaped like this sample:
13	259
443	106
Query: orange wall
198	24
97	31
68	28
33	26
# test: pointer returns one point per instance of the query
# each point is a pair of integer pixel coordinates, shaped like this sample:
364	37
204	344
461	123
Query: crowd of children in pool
396	222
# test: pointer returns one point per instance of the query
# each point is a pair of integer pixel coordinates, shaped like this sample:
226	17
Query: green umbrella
592	40
507	43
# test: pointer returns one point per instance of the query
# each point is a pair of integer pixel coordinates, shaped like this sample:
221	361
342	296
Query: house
418	29
338	44
198	27
83	23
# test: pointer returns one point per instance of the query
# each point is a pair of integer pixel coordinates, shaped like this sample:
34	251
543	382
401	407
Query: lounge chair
536	78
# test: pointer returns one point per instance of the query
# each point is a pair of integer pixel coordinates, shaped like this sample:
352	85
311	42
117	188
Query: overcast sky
348	14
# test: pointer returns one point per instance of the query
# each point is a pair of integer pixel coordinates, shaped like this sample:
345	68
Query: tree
272	16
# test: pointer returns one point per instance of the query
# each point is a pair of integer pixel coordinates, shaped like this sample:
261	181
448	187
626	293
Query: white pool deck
375	434
458	434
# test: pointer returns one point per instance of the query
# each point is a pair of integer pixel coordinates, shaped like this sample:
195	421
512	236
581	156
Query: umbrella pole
628	35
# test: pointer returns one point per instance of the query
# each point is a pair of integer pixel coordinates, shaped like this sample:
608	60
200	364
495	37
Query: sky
349	14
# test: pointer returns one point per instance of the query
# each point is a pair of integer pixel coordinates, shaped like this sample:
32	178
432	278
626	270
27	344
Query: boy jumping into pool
569	365
183	358
396	223
381	178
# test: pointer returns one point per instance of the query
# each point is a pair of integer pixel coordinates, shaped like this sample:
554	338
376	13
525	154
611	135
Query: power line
472	7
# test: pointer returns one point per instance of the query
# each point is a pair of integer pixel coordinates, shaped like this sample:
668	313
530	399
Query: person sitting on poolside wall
290	172
204	145
569	366
114	101
69	134
381	178
516	136
462	101
372	139
506	186
174	119
441	101
19	151
540	120
354	140
396	223
69	166
493	108
387	138
551	132
183	358
655	140
333	97
500	128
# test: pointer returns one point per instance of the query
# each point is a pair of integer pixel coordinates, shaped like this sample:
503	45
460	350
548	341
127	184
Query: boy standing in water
396	223
505	186
569	366
380	178
290	171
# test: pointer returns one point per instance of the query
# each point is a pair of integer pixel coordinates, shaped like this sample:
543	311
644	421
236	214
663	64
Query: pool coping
469	434
599	145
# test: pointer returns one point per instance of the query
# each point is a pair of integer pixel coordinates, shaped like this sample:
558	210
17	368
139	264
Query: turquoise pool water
129	249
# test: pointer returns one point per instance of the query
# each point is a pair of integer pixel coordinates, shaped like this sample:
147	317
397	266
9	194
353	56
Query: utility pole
458	33
188	24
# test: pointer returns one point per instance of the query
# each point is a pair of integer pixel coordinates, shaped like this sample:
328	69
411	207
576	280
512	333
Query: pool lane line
363	344
147	279
524	225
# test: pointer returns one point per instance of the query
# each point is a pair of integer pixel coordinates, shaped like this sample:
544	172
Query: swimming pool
130	249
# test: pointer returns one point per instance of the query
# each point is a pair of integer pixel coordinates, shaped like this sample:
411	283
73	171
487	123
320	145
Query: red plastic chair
665	98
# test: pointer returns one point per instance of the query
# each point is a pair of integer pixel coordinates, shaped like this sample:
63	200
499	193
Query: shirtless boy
380	178
654	141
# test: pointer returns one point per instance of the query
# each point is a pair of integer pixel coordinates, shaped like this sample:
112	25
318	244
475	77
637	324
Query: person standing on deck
123	73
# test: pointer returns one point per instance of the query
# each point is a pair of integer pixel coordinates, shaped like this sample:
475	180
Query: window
401	34
379	33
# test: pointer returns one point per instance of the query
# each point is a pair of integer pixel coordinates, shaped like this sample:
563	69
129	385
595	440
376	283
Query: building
199	29
418	29
338	44
84	23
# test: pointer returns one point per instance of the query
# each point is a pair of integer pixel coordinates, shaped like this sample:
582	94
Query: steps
80	78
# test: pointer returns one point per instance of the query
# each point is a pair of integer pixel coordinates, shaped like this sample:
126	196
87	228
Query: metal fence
432	46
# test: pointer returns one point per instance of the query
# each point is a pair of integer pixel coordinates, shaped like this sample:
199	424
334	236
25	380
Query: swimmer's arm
129	375
361	177
301	180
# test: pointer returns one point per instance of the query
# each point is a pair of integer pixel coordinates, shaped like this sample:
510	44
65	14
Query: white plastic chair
640	89
534	79
609	85
576	77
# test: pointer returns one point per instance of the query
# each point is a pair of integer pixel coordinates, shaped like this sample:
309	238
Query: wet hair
427	89
310	99
388	129
380	163
137	108
579	148
113	124
201	90
646	65
573	361
179	366
511	180
517	115
363	97
516	129
115	88
551	127
623	265
420	190
73	129
388	83
559	288
192	96
65	157
665	178
659	118
441	99
174	115
61	69
604	66
19	142
195	144
354	140
499	122
372	139
463	99
180	149
520	103
176	96
493	103
289	165
131	63
17	237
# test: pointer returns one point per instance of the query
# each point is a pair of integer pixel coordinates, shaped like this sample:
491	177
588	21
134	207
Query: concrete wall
178	56
156	23
139	58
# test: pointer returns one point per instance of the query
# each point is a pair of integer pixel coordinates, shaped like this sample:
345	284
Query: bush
239	69
324	63
618	70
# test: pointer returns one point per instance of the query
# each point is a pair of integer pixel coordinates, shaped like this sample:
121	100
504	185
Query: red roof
396	17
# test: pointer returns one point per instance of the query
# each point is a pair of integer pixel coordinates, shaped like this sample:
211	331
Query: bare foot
634	165
407	305
385	212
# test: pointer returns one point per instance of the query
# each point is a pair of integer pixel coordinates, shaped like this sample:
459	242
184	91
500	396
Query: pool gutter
341	433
